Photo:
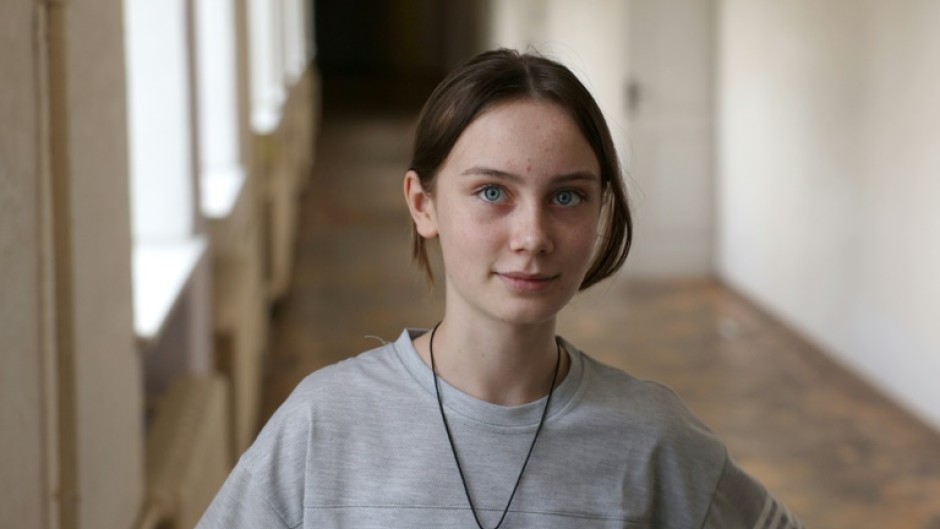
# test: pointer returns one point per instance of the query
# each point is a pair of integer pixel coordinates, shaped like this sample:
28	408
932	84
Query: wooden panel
187	452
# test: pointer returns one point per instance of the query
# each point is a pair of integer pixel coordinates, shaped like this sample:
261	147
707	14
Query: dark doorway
386	55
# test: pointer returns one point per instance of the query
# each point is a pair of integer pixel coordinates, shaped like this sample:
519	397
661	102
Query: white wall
587	36
829	178
671	138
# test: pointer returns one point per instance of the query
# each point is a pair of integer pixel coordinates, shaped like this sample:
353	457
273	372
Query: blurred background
200	203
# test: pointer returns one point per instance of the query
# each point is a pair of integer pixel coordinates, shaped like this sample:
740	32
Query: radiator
188	452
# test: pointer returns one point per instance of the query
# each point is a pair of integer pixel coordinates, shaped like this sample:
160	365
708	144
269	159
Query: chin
529	315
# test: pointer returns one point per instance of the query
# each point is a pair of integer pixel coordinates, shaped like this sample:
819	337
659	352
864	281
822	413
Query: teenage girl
489	419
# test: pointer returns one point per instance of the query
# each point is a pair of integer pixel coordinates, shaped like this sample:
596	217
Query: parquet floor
833	449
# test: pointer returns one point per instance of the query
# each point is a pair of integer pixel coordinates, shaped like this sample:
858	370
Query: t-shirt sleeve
266	488
241	505
740	502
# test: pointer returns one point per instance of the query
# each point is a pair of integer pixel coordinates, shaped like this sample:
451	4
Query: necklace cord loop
450	435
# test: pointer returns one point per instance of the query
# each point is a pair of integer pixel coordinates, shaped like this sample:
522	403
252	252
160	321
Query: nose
531	231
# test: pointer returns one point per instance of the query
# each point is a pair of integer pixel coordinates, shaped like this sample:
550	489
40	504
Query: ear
421	206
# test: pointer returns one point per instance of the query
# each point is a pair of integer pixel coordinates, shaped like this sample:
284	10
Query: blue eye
492	194
567	198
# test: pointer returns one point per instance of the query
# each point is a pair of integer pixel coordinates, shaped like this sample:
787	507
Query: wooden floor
837	452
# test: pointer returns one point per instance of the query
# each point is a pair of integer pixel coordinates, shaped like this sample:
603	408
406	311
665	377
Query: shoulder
338	389
326	395
273	470
379	366
647	407
699	484
664	448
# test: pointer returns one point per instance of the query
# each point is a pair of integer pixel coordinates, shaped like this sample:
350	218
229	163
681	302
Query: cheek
471	226
470	238
463	237
582	240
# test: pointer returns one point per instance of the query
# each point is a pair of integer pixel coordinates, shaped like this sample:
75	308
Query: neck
496	362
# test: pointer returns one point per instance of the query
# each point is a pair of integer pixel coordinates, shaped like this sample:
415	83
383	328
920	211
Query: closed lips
528	277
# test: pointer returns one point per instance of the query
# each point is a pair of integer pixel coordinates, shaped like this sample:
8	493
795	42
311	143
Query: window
222	174
163	186
267	65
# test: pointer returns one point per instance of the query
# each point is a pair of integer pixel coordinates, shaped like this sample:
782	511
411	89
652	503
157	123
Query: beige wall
89	244
828	176
109	398
21	314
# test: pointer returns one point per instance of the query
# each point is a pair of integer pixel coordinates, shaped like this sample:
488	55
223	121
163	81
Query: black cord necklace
450	436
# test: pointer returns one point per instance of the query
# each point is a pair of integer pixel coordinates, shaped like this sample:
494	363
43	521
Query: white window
266	64
163	186
222	174
295	42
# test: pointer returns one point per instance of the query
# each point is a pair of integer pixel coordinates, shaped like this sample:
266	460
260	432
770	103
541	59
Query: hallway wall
827	174
672	122
24	326
588	37
71	400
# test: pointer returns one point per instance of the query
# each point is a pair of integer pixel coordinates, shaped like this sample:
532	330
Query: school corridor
201	203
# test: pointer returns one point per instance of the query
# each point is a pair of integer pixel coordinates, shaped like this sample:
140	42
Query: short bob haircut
502	76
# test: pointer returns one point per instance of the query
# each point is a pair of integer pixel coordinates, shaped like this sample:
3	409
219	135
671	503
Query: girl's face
516	205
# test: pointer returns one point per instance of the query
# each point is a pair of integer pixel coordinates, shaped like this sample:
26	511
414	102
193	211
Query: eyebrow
513	177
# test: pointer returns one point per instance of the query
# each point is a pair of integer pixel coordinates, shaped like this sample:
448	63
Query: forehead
525	134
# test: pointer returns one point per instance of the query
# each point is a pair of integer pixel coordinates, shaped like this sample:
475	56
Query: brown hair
501	76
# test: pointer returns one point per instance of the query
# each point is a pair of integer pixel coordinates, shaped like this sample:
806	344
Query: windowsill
266	118
220	192
161	272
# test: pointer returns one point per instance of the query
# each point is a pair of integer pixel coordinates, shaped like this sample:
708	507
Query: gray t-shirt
360	444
